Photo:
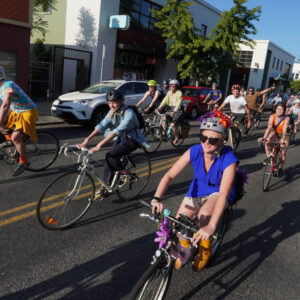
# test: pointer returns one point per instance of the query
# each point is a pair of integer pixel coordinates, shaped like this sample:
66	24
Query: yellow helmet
152	83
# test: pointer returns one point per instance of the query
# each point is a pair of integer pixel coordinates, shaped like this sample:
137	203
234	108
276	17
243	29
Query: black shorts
239	118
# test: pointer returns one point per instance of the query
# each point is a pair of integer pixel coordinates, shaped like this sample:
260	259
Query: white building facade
137	53
296	71
264	65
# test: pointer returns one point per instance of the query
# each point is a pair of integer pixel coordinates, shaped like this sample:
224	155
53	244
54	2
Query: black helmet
115	95
165	82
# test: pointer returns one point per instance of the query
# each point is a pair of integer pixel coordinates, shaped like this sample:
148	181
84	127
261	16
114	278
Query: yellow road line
28	205
31	213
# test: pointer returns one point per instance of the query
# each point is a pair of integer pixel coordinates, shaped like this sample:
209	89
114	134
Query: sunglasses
212	141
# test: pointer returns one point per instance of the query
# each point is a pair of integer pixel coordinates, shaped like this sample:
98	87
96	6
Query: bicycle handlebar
83	152
172	218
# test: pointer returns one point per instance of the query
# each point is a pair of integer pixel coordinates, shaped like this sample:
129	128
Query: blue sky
279	22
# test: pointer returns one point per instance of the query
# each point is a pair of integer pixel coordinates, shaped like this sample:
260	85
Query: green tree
38	22
196	55
295	85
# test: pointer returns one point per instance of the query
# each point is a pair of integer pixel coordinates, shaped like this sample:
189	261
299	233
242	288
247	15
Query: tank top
280	126
296	111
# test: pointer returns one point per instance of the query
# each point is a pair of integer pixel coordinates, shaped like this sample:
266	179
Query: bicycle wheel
154	283
154	138
43	153
65	200
268	173
219	234
7	162
139	169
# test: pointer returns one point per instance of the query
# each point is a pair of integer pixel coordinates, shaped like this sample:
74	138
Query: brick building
15	25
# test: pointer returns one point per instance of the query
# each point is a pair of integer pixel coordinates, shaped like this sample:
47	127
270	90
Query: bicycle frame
166	132
85	166
275	150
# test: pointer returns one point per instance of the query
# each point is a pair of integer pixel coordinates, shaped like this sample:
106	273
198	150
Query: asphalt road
103	256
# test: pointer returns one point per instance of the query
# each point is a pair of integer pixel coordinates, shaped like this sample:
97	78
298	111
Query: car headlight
85	101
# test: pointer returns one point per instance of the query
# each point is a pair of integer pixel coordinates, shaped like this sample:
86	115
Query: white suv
89	106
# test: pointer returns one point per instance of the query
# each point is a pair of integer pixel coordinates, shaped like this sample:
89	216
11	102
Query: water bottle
169	131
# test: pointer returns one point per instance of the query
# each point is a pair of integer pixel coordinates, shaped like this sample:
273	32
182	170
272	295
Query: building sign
151	61
119	22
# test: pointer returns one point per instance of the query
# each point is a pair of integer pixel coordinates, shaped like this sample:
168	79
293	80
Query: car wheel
194	113
98	115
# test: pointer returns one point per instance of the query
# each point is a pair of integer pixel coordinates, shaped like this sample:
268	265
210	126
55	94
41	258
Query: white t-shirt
236	104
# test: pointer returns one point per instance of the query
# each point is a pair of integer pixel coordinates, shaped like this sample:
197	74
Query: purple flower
163	234
203	117
244	174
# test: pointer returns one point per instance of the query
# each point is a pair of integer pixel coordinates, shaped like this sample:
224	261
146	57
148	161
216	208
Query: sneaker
20	169
100	194
6	144
280	172
124	177
203	256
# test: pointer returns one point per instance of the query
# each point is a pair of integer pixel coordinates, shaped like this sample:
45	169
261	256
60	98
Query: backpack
139	116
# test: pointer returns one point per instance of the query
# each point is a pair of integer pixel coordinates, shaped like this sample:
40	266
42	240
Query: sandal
175	141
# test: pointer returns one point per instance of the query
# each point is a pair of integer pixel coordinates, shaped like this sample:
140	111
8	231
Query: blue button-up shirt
129	125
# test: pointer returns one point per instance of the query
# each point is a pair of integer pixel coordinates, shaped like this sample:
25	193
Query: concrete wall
259	59
107	41
282	55
257	64
56	25
296	70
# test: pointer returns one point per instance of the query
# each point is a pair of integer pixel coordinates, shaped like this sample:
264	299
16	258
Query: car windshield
190	92
100	88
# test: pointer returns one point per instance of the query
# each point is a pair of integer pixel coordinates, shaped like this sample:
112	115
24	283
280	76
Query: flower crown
224	119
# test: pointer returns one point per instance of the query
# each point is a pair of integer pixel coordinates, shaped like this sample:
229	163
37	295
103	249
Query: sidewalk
45	118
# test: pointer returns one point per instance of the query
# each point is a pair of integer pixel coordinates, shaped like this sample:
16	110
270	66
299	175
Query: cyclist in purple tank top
213	185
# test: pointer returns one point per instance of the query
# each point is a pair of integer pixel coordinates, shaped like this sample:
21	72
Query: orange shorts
25	122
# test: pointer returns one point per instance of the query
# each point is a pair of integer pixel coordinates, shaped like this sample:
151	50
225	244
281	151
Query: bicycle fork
78	183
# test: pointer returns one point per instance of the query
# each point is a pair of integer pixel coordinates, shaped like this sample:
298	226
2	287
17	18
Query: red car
193	98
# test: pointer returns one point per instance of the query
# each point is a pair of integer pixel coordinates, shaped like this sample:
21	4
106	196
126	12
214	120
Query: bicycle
272	164
68	197
233	136
41	154
156	133
154	282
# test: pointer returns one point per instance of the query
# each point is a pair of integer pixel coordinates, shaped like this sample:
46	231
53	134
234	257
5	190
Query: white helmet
174	82
296	101
2	73
212	123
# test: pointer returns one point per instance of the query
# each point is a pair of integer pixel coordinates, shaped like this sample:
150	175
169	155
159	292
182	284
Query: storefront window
8	61
140	11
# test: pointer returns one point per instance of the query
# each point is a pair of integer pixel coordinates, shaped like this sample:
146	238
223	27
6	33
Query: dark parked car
193	100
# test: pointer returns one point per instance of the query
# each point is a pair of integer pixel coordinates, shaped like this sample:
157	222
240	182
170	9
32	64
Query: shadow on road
128	261
243	255
290	174
175	189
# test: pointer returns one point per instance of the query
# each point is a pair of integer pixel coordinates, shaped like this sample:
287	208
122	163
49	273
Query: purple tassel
244	174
